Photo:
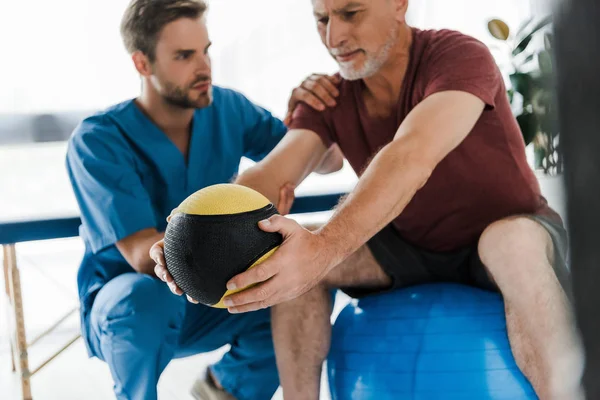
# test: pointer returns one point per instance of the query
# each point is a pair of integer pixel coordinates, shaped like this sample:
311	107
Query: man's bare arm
297	155
433	129
135	249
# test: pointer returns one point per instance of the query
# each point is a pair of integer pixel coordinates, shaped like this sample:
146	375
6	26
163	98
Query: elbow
250	176
423	171
332	161
259	179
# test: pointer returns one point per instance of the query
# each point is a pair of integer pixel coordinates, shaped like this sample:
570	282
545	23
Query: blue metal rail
43	229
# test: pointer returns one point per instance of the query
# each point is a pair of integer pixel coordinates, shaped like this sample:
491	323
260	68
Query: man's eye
348	15
324	20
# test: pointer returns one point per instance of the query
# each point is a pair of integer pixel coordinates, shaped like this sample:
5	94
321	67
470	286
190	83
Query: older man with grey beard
445	194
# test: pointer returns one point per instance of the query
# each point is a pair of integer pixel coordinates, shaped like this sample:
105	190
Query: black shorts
409	265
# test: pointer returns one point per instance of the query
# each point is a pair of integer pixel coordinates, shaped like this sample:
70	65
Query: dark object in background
577	41
47	128
16	129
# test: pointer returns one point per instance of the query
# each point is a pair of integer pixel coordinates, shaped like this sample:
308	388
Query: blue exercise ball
427	342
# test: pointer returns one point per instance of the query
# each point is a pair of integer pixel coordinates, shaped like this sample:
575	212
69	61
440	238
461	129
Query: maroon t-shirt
486	178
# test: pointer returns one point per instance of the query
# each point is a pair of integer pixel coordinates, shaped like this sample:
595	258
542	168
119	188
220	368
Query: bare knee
513	247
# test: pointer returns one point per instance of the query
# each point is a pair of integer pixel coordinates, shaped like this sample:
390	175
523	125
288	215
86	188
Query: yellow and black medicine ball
213	235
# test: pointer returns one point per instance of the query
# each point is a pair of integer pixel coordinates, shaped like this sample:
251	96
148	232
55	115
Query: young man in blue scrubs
130	165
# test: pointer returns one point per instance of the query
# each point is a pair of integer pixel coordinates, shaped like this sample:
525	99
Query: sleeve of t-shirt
465	64
262	131
306	117
112	200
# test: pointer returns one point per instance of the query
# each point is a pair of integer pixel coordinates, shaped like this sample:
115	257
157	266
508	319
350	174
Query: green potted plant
528	66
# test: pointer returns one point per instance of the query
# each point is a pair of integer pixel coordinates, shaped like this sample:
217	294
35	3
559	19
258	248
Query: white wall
68	55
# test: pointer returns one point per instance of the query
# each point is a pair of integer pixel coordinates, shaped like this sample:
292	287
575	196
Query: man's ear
142	63
401	8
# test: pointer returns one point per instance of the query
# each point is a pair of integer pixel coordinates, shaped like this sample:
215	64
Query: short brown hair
144	19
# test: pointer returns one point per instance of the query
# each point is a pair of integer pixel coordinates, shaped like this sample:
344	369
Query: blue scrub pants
137	326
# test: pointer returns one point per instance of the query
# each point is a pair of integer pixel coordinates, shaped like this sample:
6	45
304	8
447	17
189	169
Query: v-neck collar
156	132
160	148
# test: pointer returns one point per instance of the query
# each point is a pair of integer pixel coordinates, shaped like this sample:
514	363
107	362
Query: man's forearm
145	264
136	248
382	193
292	160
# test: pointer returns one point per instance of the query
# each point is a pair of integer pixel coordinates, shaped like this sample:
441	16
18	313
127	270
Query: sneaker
205	389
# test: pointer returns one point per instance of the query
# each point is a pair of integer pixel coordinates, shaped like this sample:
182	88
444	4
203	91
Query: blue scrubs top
127	175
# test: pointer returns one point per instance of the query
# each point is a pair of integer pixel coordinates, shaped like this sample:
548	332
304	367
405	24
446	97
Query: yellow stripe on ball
230	292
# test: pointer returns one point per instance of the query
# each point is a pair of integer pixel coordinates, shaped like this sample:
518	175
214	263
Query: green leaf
529	126
522	45
523	83
524	39
511	95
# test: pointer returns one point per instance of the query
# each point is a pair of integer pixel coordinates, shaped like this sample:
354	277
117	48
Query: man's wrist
333	246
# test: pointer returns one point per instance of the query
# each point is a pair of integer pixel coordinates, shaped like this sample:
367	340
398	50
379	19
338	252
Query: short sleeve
462	63
262	131
110	194
305	117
